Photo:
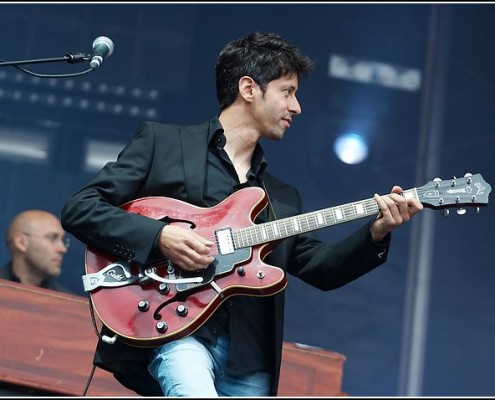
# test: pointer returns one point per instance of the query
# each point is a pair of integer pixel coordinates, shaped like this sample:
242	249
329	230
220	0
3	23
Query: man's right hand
185	248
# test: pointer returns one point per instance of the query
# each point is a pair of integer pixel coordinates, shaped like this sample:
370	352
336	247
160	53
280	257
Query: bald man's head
27	220
37	244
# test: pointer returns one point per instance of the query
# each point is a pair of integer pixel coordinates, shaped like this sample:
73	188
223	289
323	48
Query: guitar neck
311	221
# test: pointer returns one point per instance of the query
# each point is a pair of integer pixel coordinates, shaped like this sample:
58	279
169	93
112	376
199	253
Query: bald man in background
37	244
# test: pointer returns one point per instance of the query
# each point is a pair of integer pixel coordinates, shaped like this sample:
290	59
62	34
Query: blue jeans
190	368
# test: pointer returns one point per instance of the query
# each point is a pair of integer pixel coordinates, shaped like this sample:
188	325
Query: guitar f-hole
178	297
169	220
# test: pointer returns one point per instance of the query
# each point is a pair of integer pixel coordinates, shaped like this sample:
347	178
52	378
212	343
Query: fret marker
338	214
275	229
359	208
319	218
296	225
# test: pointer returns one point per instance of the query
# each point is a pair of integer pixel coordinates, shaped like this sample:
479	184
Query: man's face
46	248
276	107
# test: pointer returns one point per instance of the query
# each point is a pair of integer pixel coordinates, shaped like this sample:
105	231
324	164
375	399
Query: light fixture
373	72
351	148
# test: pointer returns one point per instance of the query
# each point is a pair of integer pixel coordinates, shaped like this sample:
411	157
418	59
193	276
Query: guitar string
308	221
348	213
251	234
265	232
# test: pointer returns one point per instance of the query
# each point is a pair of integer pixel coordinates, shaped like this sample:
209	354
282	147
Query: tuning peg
461	211
467	175
437	182
446	212
477	209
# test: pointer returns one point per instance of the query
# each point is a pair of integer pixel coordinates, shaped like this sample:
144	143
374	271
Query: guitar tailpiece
113	275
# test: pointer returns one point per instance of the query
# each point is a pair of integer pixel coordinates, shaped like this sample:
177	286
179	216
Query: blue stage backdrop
416	81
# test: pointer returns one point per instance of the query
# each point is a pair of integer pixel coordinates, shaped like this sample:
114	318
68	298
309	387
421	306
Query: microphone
102	47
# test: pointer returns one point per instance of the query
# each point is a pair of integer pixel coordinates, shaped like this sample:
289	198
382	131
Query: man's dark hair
261	56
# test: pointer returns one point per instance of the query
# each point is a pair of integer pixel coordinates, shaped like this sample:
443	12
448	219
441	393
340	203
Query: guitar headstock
469	191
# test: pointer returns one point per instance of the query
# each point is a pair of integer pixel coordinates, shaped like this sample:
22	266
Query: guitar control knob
163	288
143	305
241	271
181	310
161	327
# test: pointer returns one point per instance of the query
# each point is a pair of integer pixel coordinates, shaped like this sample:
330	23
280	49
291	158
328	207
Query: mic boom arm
70	58
102	47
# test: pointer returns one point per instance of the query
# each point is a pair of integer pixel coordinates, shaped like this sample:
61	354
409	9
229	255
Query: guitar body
132	311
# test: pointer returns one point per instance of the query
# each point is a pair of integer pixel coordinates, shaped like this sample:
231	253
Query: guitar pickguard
222	265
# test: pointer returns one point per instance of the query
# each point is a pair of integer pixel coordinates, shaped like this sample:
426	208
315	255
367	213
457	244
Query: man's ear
247	87
20	241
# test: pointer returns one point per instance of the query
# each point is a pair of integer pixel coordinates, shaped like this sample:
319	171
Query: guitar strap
271	212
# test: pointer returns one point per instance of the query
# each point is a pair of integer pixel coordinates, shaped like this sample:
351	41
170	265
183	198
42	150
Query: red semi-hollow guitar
149	305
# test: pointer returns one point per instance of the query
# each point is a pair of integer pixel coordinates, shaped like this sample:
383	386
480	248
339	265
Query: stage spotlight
351	148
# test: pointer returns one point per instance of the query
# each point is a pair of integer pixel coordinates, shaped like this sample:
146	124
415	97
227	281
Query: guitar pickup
225	243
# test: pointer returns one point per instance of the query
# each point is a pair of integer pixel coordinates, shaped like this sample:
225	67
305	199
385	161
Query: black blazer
163	160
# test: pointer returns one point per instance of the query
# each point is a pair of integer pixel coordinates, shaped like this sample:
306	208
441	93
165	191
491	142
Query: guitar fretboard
311	221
